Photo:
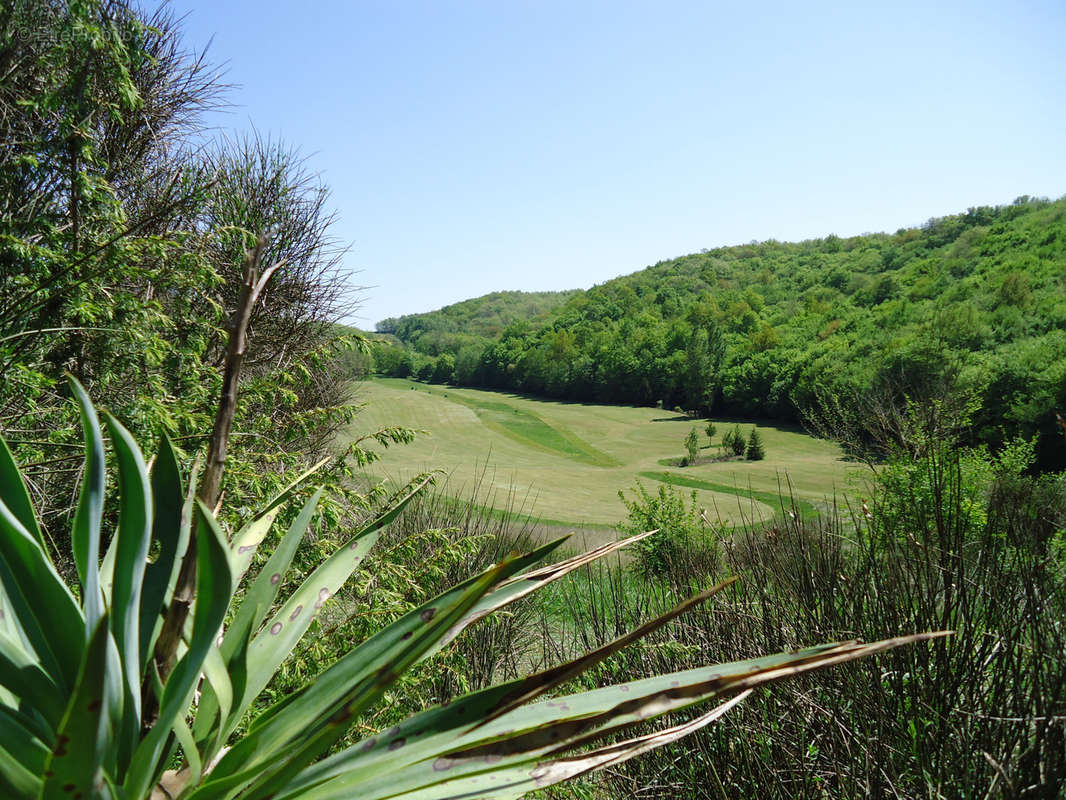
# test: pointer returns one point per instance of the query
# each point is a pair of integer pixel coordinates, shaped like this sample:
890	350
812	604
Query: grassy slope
568	460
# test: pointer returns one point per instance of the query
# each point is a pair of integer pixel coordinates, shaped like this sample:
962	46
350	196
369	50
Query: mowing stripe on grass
529	429
776	501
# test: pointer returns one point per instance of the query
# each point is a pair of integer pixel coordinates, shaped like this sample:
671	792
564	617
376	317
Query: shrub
727	441
425	372
692	445
683	551
710	430
443	369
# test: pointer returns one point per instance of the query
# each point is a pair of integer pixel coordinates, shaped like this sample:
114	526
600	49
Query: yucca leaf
44	608
131	558
533	686
23	738
253	609
213	582
16	779
285	628
9	624
263	592
23	675
528	582
250	536
84	739
322	714
440	749
85	535
183	737
14	492
194	766
221	692
379	655
506	697
513	783
170	529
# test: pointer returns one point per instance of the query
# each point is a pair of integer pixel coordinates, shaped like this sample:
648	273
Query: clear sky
477	145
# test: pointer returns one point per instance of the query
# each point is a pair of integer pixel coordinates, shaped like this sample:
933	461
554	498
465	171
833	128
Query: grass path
566	462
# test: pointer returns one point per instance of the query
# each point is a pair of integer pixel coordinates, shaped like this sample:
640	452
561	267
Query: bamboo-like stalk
184	589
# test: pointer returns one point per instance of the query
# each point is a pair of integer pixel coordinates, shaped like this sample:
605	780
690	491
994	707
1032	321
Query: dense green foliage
733	441
122	241
462	329
782	330
679	529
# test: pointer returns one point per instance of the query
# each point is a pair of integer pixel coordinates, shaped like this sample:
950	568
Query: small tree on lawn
755	451
710	430
737	441
692	444
726	442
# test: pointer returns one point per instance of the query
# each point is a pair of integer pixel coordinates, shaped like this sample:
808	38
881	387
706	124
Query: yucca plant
74	662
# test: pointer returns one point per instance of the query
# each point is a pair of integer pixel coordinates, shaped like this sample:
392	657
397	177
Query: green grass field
566	462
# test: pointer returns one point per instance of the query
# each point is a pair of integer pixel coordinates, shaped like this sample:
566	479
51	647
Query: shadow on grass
779	502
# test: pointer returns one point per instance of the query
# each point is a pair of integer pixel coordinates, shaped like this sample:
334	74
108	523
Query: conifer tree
755	451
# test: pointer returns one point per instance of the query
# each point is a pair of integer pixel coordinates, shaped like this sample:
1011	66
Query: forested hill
449	328
775	329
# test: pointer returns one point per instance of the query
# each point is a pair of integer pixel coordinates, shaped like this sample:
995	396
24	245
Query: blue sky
496	144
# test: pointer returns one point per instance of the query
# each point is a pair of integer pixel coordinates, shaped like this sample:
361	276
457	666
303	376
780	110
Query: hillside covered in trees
836	329
472	322
460	331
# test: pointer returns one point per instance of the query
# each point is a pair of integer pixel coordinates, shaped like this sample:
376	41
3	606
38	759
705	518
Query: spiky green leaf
24	677
213	583
441	755
16	495
247	540
170	530
84	741
285	628
43	607
131	558
258	600
85	535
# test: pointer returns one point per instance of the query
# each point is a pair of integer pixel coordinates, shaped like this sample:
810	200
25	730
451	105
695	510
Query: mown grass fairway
566	462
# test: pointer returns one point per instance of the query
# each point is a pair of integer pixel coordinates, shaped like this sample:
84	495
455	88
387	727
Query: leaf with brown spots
85	736
535	745
247	540
258	600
